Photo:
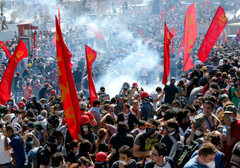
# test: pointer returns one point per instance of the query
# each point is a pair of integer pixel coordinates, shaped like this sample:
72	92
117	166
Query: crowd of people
192	122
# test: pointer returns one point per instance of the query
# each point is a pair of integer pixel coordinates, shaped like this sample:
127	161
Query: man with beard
145	141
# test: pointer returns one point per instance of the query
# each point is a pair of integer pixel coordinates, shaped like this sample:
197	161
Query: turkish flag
6	82
96	31
167	61
190	35
180	48
224	37
174	34
91	55
5	49
67	86
214	31
161	16
238	36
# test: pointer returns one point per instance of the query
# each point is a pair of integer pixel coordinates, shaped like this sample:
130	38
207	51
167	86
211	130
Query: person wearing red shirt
27	91
233	126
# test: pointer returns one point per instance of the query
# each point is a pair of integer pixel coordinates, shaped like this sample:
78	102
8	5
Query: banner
180	48
161	16
238	36
5	49
167	61
190	35
67	86
7	79
96	31
91	55
174	34
214	31
224	37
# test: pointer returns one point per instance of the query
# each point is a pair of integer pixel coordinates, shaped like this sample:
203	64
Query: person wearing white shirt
3	18
5	159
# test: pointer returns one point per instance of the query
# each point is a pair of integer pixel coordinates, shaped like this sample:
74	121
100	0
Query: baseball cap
38	125
204	68
134	84
84	120
52	92
18	73
173	79
101	157
230	109
20	104
144	94
223	96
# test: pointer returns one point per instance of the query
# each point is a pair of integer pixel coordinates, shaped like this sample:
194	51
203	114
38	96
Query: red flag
186	6
224	37
67	86
190	35
214	31
34	45
174	33
59	18
174	8
141	32
96	31
6	83
180	48
238	36
167	62
161	16
5	49
91	55
54	40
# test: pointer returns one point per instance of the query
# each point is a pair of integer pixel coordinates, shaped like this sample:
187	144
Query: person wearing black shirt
74	148
170	91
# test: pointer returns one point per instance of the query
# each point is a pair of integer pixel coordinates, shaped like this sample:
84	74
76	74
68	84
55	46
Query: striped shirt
104	96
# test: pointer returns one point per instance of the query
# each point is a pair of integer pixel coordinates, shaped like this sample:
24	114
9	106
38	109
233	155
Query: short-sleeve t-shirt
170	91
235	127
70	157
234	99
193	163
149	141
18	148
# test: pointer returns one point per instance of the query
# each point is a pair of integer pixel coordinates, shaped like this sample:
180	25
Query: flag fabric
7	79
167	61
54	40
5	49
238	36
214	31
91	55
34	45
59	17
161	16
186	6
168	12
96	31
141	32
190	35
174	31
224	37
67	86
174	8
180	48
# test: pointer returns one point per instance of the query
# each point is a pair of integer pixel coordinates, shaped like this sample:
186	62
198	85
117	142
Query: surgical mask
139	130
175	109
31	101
123	162
76	150
198	133
120	104
85	128
223	104
232	118
162	113
191	117
211	89
8	105
210	164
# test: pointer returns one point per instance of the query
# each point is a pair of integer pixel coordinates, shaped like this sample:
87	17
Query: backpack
230	93
176	148
187	152
35	162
